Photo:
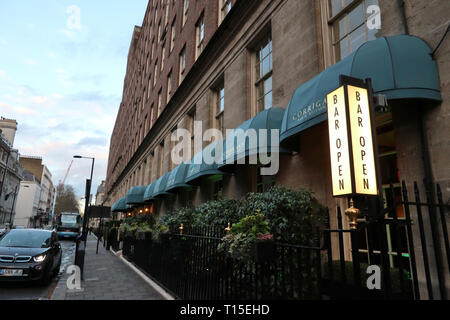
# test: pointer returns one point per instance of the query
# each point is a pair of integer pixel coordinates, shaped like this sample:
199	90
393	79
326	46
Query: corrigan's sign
351	142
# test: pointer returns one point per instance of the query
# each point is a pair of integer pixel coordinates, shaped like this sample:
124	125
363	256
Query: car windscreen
69	219
26	239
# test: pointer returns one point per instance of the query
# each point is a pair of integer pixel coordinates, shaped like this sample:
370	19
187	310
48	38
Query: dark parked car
29	255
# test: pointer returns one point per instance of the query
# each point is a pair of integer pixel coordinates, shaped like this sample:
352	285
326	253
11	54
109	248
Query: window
154	73
172	35
182	64
220	107
169	86
163	56
185	11
264	183
160	159
166	12
159	101
225	7
349	21
143	99
152	115
172	164
191	128
145	124
264	74
200	36
149	86
159	31
153	48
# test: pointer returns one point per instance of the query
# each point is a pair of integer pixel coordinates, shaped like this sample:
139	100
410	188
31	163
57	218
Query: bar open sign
352	150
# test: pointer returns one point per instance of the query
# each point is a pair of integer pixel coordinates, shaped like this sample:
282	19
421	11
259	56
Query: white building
27	201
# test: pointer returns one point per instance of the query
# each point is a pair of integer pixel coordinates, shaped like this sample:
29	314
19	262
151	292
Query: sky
62	67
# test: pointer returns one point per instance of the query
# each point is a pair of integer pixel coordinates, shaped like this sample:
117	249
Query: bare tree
66	200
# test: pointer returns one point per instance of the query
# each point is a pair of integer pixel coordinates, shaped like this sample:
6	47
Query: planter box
129	234
143	235
164	237
264	251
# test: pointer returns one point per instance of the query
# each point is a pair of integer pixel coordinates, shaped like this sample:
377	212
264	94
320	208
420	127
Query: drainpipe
401	5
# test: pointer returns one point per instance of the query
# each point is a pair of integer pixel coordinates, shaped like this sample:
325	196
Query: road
32	291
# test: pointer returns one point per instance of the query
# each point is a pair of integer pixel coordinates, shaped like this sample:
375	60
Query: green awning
120	205
160	186
135	195
176	178
201	165
268	119
148	194
401	67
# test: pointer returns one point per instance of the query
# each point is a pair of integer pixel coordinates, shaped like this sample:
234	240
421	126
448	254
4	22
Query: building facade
100	194
46	199
222	63
10	171
28	201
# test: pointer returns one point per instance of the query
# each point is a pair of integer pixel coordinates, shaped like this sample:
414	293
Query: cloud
93	141
29	62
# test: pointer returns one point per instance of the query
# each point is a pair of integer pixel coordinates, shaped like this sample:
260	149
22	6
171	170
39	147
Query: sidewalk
106	277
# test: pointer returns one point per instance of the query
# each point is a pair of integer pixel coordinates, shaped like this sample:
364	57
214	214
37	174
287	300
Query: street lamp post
87	200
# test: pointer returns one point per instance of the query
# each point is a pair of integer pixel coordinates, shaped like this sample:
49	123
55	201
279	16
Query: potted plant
239	242
264	248
144	231
160	233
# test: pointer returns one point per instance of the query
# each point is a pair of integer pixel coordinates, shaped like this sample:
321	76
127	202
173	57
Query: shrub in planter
174	219
292	215
264	248
217	213
159	232
239	243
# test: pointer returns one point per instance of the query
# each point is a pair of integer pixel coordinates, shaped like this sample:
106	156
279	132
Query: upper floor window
264	67
185	11
200	36
220	107
169	87
349	22
182	64
172	35
163	56
225	7
167	12
159	102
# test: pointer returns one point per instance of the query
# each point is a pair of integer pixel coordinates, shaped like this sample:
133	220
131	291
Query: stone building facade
11	171
224	62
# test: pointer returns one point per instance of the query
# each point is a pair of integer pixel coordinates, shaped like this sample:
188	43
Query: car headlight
39	258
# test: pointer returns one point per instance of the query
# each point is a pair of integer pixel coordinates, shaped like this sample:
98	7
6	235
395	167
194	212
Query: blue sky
62	80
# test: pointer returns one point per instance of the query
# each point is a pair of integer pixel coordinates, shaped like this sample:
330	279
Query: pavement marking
153	284
92	279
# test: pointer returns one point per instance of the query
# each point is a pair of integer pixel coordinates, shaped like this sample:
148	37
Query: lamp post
87	200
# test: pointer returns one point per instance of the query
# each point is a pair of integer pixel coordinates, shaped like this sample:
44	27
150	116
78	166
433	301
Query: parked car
29	255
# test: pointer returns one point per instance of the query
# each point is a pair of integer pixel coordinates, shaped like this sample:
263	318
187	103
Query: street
33	291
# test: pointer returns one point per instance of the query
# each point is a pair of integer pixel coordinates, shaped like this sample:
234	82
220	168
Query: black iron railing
407	240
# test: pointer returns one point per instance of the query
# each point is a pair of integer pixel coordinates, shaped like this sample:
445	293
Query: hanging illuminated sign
352	152
339	143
